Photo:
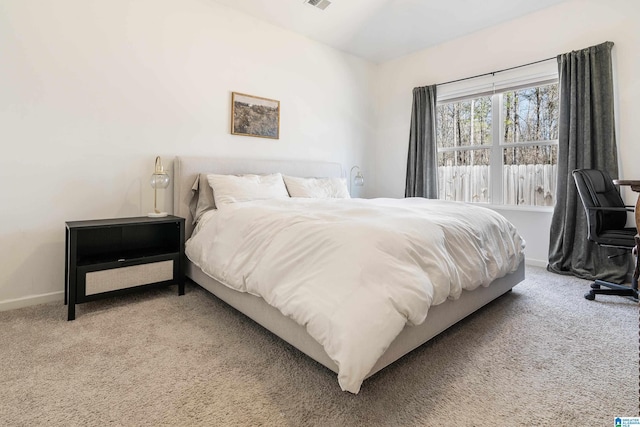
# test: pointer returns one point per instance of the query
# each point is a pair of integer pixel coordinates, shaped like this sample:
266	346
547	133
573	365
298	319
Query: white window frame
539	74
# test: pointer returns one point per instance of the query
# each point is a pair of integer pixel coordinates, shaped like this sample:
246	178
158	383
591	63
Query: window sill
521	208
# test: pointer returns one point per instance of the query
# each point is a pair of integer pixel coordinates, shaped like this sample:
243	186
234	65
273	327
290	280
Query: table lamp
159	179
358	180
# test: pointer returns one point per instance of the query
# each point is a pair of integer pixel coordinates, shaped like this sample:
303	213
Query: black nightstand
114	256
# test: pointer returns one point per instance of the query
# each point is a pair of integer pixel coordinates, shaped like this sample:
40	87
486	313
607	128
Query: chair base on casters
614	289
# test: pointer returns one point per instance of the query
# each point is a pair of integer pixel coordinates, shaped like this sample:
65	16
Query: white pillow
243	188
319	188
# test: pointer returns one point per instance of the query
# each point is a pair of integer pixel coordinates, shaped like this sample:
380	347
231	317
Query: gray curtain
422	162
586	140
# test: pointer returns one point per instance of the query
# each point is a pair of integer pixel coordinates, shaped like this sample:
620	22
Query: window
464	137
500	148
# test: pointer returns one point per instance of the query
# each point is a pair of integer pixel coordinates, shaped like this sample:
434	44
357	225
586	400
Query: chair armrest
598	208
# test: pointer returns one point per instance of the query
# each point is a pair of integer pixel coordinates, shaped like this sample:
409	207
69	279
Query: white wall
568	26
92	90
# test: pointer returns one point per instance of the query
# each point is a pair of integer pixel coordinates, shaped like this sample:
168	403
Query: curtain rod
494	72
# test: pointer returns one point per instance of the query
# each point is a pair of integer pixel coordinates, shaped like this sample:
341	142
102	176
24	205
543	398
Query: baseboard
11	304
59	296
536	262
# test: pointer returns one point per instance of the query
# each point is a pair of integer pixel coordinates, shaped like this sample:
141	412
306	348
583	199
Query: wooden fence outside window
529	185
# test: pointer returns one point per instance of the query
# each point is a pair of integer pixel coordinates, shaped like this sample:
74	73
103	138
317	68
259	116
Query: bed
189	173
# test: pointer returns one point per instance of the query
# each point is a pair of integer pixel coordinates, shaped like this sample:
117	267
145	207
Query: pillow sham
243	188
318	188
201	198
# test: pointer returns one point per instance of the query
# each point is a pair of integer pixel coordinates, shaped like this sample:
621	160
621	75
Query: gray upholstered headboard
187	169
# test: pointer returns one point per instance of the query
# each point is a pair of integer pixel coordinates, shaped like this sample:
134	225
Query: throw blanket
355	271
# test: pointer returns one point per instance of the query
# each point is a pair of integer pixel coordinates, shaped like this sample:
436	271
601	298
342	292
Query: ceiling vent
320	4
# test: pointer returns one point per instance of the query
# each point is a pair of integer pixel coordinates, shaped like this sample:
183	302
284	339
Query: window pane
529	175
531	114
464	175
464	123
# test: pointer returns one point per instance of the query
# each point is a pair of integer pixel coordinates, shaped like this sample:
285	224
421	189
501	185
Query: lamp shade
358	181
160	180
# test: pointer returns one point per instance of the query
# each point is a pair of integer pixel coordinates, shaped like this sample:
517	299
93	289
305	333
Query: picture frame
255	116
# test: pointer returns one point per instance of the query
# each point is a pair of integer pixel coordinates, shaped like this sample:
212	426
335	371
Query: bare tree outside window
528	136
531	114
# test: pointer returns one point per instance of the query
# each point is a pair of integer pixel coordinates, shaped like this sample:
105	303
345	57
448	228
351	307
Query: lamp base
157	214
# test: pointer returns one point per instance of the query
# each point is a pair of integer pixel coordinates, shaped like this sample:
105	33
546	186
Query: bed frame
440	317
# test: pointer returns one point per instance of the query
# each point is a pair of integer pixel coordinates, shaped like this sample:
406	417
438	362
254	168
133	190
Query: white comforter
354	272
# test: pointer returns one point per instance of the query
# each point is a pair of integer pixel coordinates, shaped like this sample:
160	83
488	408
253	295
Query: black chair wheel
590	296
595	286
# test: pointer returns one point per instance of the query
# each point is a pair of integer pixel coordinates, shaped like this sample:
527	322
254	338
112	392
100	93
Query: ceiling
380	30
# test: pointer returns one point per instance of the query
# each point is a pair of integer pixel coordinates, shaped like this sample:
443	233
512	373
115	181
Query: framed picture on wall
255	116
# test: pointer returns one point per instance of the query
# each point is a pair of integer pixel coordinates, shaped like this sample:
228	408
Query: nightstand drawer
102	279
127	277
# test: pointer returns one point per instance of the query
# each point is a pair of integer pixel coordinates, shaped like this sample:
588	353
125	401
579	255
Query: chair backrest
596	189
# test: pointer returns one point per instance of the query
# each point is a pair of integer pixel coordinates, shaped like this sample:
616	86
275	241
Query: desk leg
638	215
636	272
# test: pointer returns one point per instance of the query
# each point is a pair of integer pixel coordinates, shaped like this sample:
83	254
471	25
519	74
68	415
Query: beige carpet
541	355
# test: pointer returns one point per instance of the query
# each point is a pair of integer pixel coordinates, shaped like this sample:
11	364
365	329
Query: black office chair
606	219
